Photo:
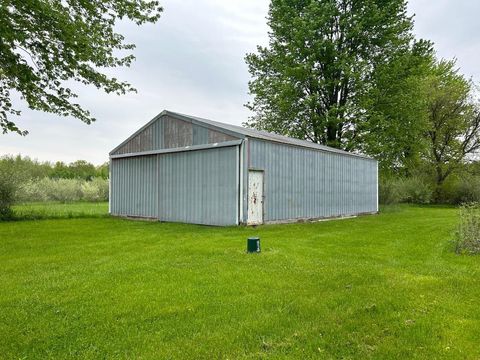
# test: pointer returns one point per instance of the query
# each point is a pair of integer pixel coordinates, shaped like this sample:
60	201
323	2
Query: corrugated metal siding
302	183
195	187
167	132
199	186
133	186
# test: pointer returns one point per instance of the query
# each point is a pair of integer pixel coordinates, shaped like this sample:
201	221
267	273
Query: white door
255	197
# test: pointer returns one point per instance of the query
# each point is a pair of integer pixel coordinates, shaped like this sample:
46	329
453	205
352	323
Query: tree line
23	179
352	75
34	169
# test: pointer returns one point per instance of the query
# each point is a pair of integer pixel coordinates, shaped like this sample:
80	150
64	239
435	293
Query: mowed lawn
384	287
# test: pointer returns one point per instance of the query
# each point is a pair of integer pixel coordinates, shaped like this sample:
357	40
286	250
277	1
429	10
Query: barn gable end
167	131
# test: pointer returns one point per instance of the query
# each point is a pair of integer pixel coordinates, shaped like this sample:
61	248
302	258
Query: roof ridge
268	136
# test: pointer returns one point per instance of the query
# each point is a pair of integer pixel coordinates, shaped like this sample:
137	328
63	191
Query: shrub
95	190
415	190
388	191
468	235
11	182
64	190
461	190
7	191
34	190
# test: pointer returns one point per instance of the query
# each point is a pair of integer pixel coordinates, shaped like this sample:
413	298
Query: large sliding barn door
199	187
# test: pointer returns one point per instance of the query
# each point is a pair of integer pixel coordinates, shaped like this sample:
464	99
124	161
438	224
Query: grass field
38	211
383	287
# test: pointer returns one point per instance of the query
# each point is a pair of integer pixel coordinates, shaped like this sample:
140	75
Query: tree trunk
332	135
439	180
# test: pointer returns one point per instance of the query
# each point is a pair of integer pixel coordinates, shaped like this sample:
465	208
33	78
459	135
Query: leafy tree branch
44	45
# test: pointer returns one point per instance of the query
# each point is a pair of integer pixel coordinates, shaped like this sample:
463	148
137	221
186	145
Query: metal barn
186	169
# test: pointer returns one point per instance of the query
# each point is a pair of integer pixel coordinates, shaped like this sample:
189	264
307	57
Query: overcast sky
191	62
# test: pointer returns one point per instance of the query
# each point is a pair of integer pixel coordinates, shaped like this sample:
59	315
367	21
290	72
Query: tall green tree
453	131
45	46
395	116
320	60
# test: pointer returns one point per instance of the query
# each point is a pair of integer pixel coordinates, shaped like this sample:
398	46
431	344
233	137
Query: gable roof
241	132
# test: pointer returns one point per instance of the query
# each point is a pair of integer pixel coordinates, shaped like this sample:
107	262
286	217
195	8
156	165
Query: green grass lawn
36	211
383	287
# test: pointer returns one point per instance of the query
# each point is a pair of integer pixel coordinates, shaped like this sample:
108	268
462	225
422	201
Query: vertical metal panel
200	135
133	186
199	187
302	183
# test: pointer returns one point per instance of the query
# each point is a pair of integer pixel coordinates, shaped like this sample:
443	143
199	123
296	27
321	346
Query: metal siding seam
240	180
188	190
126	175
212	194
170	193
334	184
189	180
329	205
110	187
155	186
179	204
175	209
177	165
237	179
146	188
144	184
122	193
338	181
126	195
166	171
208	169
183	213
291	154
160	183
113	179
197	214
141	184
133	187
126	178
163	180
131	180
138	186
117	180
151	187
